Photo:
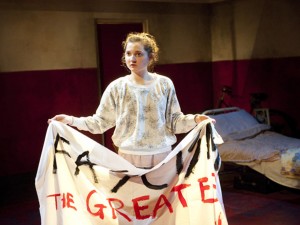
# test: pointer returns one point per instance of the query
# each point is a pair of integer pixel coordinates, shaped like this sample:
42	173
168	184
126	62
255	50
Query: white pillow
237	125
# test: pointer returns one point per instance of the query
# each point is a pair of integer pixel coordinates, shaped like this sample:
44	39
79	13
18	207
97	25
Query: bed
254	145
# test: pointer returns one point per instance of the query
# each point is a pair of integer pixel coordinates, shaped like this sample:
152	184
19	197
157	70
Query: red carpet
25	213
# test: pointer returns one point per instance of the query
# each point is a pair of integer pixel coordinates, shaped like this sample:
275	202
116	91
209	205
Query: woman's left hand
199	118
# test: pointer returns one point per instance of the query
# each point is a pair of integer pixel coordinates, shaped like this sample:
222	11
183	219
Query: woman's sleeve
104	117
177	122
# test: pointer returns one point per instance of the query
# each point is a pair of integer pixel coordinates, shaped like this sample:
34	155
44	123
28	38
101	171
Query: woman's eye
139	54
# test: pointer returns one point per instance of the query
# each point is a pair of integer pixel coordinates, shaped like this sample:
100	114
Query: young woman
142	106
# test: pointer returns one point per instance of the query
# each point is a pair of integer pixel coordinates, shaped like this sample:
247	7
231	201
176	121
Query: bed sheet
249	143
266	146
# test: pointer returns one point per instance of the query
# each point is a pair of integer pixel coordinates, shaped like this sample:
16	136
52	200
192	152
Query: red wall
29	98
193	85
278	78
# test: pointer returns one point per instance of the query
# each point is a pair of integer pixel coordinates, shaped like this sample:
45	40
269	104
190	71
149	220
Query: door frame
144	23
125	21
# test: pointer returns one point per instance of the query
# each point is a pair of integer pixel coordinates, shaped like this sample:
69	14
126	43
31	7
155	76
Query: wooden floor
19	203
247	206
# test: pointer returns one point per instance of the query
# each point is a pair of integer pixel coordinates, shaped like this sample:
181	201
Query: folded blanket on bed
290	162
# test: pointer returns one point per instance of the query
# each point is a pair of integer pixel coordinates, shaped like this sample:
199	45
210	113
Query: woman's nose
133	58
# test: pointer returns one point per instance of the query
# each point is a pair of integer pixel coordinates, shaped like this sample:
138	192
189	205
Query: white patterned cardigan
146	117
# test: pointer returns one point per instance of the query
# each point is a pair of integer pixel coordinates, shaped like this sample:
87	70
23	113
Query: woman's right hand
62	118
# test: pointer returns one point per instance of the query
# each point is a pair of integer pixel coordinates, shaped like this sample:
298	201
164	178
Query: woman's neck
142	79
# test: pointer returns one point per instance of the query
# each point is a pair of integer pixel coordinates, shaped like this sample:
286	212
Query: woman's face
136	57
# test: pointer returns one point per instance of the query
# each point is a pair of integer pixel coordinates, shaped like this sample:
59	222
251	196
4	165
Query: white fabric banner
81	182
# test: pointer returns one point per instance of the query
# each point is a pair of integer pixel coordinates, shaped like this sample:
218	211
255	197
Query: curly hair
149	43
